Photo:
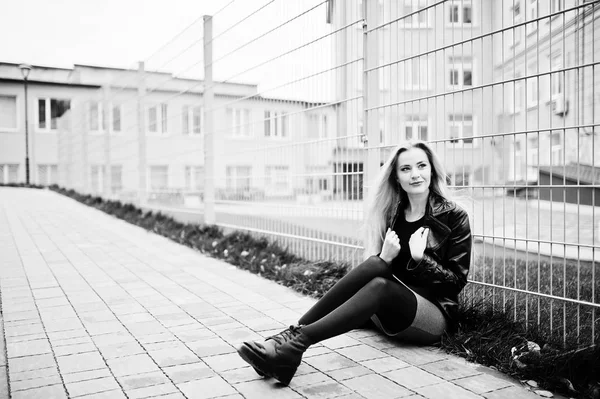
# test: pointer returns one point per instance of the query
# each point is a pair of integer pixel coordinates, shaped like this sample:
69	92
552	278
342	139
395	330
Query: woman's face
413	170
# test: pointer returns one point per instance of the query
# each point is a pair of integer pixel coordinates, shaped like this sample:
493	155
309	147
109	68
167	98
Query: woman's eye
404	169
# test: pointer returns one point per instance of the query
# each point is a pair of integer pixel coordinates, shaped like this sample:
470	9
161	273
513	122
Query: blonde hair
386	195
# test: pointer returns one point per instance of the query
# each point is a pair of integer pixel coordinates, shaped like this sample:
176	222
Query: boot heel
284	374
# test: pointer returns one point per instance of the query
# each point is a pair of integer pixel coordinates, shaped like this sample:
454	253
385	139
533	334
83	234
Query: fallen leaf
545	394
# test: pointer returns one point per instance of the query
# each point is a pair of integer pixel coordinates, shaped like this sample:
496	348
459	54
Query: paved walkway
95	307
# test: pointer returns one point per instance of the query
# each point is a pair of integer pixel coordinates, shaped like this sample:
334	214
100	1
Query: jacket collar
436	206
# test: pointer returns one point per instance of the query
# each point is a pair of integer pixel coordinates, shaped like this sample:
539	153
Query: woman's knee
374	265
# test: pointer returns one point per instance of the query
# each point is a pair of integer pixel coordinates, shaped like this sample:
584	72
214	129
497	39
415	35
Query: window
416	74
8	112
556	6
47	174
116	178
532	14
159	177
557	149
461	129
192	120
194	178
276	124
96	121
157	119
532	85
9	173
239	122
95	116
460	12
418	20
518	94
238	178
317	126
460	72
416	127
115	117
49	110
97	178
533	151
277	179
558	78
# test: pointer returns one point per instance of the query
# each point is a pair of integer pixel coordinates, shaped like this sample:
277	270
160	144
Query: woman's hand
418	242
391	246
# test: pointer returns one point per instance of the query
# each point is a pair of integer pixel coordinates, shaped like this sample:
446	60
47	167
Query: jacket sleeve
454	268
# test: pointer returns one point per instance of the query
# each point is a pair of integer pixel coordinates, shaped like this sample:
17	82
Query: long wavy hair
386	194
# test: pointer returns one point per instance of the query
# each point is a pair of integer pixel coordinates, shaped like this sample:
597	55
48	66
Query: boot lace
286	335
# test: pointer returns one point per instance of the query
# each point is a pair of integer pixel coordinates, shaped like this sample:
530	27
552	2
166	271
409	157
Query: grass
487	331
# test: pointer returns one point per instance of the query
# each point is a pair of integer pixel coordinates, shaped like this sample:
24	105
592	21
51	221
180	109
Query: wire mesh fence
277	115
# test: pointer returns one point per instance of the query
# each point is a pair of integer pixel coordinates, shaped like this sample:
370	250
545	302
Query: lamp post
25	70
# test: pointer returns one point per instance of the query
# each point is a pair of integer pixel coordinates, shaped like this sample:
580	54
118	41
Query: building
86	132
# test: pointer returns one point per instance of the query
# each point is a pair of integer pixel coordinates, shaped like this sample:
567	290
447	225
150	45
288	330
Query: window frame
407	73
162	118
278	123
188	113
531	13
47	114
532	85
461	123
48	180
17	115
191	183
460	5
272	179
416	7
149	187
415	122
458	64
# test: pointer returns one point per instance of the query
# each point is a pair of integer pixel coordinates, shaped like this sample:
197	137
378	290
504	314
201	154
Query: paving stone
341	341
48	392
92	386
483	383
71	341
27	375
115	394
142	380
80	362
225	362
360	353
131	365
329	389
316	351
35	362
86	375
121	350
447	390
210	347
27	329
261	389
243	374
188	372
23	338
38	382
383	364
413	377
63	335
25	315
328	362
349	372
374	386
63	325
152	391
511	392
104	327
309	379
450	369
28	348
211	387
74	349
415	355
173	356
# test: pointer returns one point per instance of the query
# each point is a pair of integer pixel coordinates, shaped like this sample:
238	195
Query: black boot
274	359
276	339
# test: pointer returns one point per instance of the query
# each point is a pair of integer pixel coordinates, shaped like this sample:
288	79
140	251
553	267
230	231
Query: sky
120	33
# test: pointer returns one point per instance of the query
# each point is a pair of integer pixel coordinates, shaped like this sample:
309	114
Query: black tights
366	290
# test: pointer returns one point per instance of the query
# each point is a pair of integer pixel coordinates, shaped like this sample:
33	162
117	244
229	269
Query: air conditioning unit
560	105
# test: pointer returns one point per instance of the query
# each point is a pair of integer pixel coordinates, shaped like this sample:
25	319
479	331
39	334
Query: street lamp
25	70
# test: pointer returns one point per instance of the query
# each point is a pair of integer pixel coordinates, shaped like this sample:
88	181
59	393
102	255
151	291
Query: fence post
370	97
106	123
209	150
141	134
85	168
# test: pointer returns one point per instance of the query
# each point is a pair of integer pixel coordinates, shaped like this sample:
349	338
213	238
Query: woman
422	242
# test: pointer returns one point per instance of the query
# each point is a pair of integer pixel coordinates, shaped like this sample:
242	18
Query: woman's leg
346	287
394	304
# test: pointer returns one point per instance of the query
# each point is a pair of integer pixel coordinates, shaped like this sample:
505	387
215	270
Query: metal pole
142	189
209	150
26	137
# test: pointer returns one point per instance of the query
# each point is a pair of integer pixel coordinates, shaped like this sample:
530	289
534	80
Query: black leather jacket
445	265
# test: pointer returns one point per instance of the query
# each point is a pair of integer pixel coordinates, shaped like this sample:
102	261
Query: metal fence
285	115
